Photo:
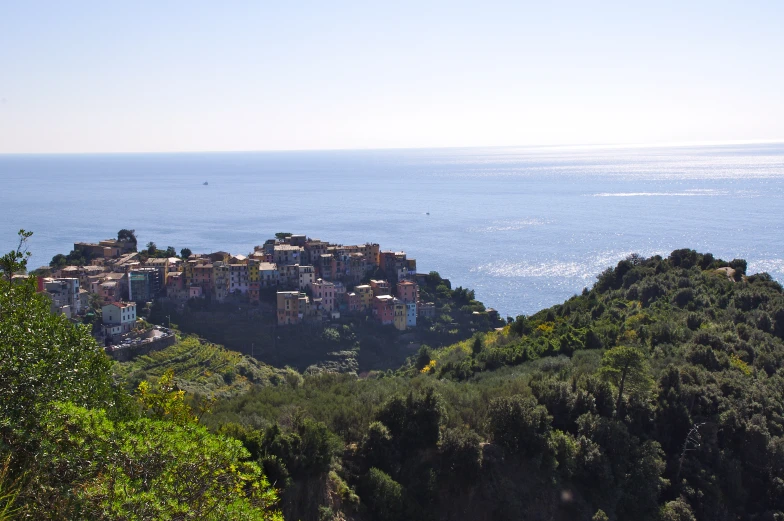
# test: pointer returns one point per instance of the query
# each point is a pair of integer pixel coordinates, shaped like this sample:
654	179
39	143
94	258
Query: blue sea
525	227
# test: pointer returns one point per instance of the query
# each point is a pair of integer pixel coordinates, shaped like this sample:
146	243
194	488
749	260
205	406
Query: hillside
668	307
657	394
200	367
354	343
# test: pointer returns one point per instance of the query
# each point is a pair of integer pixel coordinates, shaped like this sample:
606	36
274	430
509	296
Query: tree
43	357
185	253
423	357
59	261
15	261
384	496
414	422
627	369
129	236
678	510
476	346
461	454
151	248
282	235
520	424
170	252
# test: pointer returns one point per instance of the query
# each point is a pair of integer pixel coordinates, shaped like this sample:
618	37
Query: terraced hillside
201	367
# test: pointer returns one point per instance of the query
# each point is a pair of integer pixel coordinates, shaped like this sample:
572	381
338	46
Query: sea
526	228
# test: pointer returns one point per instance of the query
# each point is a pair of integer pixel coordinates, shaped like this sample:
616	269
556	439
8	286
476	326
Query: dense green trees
658	394
78	448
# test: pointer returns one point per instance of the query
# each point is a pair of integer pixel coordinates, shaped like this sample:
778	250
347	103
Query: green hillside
658	394
200	367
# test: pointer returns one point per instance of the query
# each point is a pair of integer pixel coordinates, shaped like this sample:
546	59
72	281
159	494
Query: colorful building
305	276
407	291
384	309
292	307
144	284
175	286
202	277
411	314
399	320
287	254
220	280
354	302
379	287
254	280
365	294
324	290
269	276
239	281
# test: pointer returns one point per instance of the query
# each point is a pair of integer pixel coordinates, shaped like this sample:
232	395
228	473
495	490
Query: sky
152	76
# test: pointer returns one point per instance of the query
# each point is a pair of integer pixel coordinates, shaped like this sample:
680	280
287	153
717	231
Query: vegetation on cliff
658	394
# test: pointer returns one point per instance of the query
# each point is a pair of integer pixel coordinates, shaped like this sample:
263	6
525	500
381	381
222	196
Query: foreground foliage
73	446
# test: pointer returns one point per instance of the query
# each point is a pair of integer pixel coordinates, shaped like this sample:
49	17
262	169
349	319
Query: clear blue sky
171	75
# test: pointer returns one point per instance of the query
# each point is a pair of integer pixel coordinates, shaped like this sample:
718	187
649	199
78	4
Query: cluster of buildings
313	280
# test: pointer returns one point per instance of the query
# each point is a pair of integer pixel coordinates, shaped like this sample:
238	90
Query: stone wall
123	354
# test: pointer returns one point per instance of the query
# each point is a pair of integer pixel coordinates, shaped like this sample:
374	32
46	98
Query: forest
657	394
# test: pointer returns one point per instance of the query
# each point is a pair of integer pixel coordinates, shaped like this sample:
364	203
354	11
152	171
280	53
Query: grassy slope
201	367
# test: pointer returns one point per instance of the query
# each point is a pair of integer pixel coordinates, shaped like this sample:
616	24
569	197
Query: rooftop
123	305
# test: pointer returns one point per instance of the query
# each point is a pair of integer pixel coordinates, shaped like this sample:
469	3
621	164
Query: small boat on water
206	183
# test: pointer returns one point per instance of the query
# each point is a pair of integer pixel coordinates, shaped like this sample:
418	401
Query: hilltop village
307	281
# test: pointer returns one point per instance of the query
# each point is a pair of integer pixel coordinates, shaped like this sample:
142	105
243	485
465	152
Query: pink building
324	290
175	286
407	291
354	302
384	309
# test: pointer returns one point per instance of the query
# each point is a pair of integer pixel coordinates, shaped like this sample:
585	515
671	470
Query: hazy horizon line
670	144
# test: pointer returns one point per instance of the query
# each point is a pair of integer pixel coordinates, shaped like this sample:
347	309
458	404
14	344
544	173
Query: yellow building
365	294
400	319
220	279
254	280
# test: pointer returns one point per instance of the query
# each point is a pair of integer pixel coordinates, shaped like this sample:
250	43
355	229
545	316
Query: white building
119	317
238	278
306	276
